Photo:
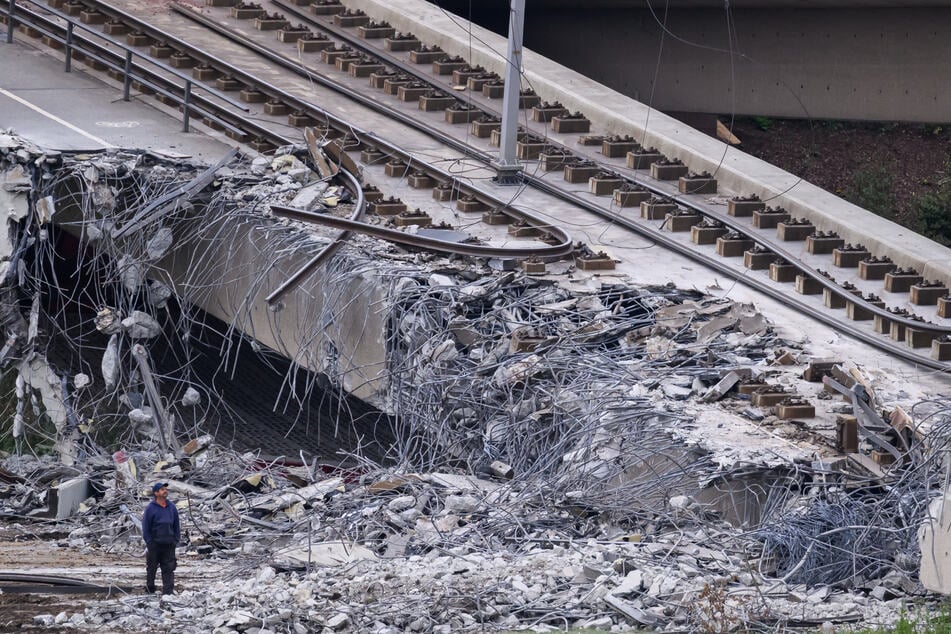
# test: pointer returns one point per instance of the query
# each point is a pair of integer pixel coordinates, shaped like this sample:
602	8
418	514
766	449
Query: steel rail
325	253
124	47
198	54
202	106
423	242
782	296
313	109
870	423
775	293
300	69
468	150
724	219
159	206
359	43
128	18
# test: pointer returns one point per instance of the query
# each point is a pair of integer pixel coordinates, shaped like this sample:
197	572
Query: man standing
161	532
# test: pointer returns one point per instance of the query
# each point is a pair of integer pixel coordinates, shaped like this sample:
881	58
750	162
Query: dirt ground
27	549
831	154
17	610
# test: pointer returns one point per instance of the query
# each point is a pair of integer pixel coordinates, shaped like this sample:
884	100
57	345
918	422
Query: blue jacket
161	524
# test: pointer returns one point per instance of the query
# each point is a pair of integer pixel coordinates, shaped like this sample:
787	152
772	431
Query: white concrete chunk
337	621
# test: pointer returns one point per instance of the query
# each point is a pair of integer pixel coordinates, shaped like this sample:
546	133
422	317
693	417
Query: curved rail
471	152
653	234
276	295
458	248
317	112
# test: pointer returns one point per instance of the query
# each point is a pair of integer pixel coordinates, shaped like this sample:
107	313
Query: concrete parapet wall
614	113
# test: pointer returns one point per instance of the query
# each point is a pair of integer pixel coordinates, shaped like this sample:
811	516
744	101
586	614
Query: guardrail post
11	22
185	103
127	76
69	47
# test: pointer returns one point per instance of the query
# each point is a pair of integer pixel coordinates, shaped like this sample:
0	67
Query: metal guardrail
130	71
318	113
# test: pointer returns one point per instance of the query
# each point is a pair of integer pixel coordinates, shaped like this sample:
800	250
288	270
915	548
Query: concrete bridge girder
321	325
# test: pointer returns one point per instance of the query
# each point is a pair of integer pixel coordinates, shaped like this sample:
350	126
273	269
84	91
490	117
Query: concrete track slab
76	111
641	259
613	113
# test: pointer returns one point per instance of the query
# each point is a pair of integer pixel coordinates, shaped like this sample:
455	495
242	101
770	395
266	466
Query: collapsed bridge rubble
567	449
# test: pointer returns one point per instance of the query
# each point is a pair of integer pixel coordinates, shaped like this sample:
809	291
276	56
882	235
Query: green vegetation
763	123
871	188
921	621
934	217
933	210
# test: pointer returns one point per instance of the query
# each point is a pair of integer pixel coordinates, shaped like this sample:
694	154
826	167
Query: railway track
865	295
553	242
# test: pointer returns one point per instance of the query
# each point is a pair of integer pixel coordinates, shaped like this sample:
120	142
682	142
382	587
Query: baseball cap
158	485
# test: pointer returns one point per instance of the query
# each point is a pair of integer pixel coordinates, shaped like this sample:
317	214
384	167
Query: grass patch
933	210
933	216
871	188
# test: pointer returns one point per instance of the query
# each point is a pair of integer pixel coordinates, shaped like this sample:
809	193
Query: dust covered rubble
497	356
677	343
386	551
590	539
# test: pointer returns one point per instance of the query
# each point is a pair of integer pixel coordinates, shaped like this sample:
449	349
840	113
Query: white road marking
117	124
53	117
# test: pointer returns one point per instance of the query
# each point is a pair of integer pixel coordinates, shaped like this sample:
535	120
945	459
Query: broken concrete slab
69	495
15	186
140	325
721	389
327	554
159	244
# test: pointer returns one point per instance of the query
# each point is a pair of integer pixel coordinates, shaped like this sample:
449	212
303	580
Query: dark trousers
160	555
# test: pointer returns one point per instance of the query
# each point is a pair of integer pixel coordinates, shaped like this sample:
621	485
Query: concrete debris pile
595	394
386	551
521	370
569	450
95	244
